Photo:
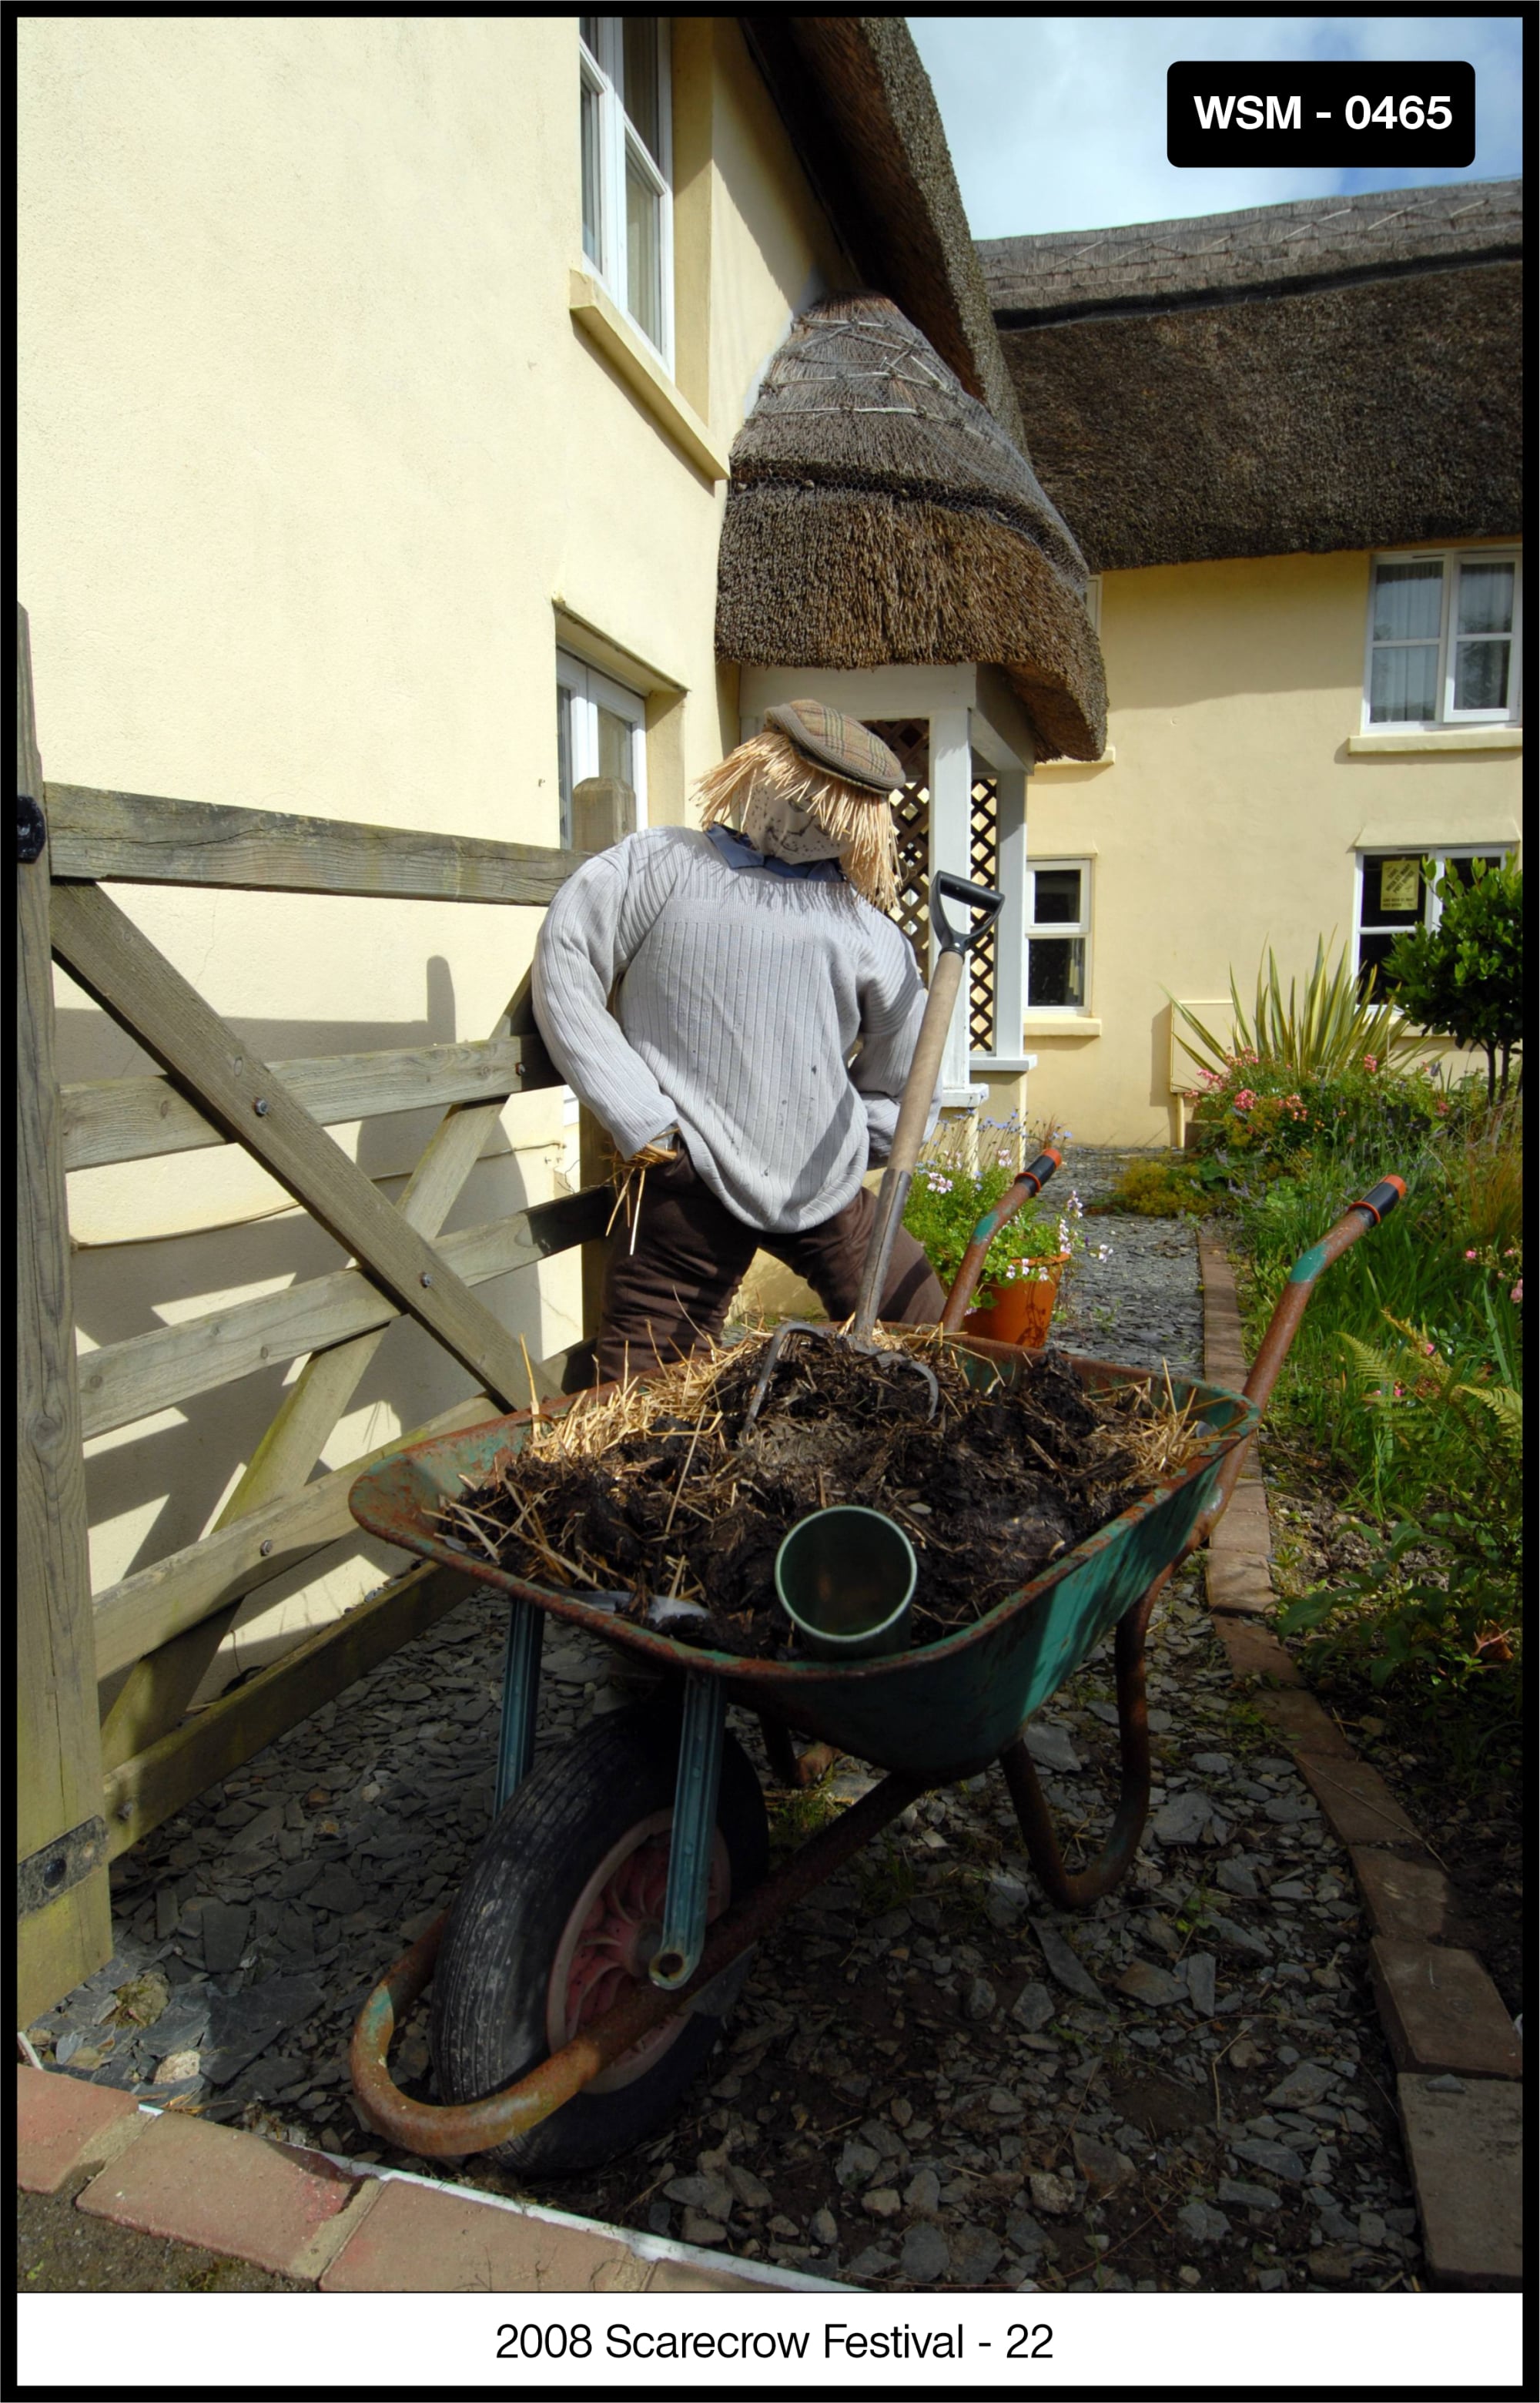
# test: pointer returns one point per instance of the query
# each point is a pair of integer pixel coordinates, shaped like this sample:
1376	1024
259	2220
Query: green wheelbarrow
603	1930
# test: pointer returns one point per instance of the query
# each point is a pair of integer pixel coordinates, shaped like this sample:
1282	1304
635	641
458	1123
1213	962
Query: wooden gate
93	1781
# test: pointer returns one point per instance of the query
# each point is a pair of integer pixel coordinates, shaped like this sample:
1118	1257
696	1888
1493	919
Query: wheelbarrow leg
520	1699
1077	1890
684	1934
788	1767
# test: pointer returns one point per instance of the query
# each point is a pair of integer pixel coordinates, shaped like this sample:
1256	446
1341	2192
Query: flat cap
842	743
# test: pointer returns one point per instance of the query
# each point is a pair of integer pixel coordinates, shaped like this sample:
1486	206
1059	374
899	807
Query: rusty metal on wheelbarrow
434	2129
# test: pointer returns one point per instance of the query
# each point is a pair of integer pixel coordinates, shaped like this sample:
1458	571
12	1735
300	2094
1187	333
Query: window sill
1071	1023
611	334
984	1064
1079	766
1441	738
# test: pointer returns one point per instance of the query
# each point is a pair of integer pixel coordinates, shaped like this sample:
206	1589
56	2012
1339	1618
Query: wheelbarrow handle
1273	1350
1000	1214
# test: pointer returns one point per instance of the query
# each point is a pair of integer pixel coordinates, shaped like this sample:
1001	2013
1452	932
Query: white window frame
602	74
1442	855
1450	562
1057	930
592	691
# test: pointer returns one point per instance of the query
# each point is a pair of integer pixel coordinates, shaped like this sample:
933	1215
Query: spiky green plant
1332	1027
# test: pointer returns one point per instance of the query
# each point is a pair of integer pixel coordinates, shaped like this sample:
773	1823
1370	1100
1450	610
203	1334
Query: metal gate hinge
54	1867
32	831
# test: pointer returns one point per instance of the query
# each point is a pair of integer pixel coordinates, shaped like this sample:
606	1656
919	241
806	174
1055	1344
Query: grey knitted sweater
737	998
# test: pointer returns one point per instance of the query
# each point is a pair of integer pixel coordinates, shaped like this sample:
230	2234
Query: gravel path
931	2078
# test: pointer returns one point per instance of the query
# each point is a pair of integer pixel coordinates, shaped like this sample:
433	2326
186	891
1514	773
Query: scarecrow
736	1010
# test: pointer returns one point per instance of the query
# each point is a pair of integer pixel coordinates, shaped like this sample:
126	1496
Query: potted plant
1020	1279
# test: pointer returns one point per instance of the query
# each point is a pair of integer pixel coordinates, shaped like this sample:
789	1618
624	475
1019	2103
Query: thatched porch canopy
1335	374
878	514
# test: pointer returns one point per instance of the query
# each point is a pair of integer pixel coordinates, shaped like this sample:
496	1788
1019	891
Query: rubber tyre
488	2023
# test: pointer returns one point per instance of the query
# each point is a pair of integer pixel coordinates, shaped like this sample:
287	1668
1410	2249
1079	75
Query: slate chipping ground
931	2079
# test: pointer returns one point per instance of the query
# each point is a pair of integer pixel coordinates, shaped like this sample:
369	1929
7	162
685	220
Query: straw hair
850	815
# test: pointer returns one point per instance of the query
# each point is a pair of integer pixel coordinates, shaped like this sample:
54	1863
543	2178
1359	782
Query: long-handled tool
909	1134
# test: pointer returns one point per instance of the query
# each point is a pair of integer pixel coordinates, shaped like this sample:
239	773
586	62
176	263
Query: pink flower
1370	1063
1245	1100
1518	1293
1443	1109
1430	1349
1470	1255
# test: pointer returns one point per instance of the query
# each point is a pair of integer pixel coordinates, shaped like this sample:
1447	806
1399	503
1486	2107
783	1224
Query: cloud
1057	123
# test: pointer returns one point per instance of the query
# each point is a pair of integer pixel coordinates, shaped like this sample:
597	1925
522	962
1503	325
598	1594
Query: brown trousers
670	1293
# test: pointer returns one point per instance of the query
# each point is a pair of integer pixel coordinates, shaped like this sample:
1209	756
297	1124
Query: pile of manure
648	1498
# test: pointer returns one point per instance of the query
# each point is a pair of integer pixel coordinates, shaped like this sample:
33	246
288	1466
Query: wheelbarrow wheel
563	1906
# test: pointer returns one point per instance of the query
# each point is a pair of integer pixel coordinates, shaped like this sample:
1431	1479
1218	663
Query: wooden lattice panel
909	738
984	868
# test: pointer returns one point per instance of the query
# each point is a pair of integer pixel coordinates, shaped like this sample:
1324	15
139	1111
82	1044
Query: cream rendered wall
311	452
1228	817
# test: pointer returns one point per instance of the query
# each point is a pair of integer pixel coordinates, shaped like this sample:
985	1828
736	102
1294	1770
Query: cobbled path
931	2079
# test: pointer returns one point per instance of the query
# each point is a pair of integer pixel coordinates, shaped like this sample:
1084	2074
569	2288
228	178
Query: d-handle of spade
954	943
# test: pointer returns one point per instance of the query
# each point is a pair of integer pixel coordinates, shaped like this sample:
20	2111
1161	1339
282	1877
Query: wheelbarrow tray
941	1711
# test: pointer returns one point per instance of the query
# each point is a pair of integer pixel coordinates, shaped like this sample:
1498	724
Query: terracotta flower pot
1022	1310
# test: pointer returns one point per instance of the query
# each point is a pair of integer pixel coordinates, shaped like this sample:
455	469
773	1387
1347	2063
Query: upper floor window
627	200
1444	630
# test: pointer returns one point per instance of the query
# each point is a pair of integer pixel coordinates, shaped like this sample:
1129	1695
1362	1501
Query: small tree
1464	977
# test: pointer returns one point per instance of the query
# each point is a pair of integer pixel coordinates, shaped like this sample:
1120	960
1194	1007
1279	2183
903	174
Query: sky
1059	123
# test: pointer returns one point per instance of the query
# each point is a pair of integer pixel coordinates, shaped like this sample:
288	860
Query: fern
1507	1405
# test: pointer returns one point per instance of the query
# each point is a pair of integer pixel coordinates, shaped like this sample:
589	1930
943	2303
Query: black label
1231	113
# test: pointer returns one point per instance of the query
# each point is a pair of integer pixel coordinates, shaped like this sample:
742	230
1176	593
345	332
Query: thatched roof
1328	375
877	513
859	109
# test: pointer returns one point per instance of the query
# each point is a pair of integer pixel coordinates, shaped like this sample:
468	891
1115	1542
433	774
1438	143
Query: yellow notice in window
1398	885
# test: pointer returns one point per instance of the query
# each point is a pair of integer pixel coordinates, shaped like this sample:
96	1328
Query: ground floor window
599	731
1058	933
1395	896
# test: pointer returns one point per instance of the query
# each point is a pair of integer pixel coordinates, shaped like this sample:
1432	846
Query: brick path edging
332	2224
1456	2051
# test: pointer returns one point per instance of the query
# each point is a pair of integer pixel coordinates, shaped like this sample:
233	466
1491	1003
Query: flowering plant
949	1195
1274	1114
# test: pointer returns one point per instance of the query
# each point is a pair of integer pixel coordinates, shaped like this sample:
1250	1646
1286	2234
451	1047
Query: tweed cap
839	742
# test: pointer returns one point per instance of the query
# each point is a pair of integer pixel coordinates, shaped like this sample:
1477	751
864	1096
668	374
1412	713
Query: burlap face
781	830
776	796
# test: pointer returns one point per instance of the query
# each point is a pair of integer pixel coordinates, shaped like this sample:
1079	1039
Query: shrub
1261	1115
1464	977
1170	1188
1330	1029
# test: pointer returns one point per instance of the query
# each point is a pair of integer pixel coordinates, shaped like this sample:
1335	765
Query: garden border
332	2223
1458	2055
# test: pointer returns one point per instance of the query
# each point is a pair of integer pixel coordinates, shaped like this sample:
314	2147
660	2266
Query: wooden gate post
64	1917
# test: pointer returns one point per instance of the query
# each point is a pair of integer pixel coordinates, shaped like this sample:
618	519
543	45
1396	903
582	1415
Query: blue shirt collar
741	854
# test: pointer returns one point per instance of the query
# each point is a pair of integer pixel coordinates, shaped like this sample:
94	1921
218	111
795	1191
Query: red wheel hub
613	1933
